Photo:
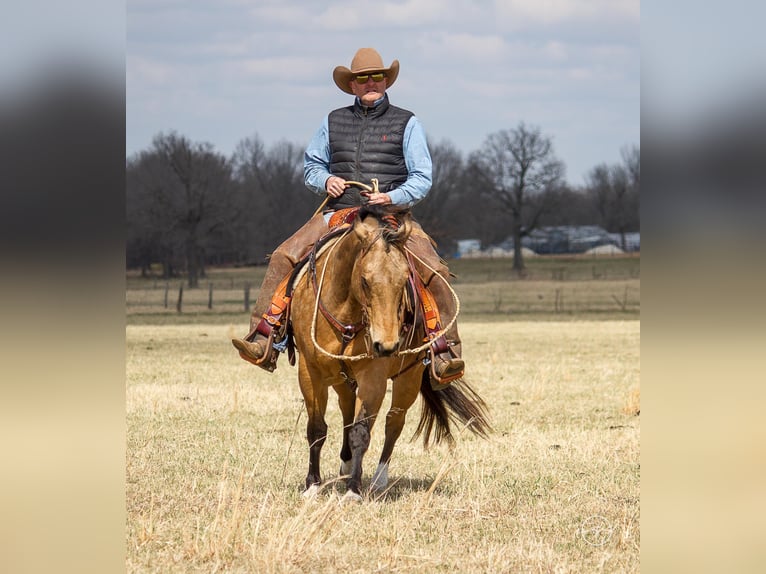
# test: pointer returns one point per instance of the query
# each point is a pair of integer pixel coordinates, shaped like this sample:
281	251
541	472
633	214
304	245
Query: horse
355	326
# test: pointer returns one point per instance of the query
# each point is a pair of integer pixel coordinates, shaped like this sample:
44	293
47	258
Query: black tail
458	403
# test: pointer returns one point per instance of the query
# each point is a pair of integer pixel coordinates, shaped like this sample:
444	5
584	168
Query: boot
260	351
446	369
446	364
258	346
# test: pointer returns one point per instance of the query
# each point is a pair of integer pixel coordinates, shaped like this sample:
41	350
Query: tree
614	190
179	199
569	206
519	170
272	198
438	212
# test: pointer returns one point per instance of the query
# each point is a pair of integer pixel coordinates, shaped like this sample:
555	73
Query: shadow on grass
398	488
401	487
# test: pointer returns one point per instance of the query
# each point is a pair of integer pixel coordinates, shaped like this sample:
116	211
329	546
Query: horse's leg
405	391
315	397
369	397
346	402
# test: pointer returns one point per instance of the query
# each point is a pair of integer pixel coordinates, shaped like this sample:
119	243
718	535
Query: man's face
369	91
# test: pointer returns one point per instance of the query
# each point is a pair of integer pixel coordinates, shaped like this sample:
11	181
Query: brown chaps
289	253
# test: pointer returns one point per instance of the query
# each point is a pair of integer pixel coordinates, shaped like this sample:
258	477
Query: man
369	139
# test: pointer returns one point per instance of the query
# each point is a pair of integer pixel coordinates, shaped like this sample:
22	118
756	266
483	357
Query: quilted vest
366	143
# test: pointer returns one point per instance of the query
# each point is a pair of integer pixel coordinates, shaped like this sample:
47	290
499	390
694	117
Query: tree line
189	207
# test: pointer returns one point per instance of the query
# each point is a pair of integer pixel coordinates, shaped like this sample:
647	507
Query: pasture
216	453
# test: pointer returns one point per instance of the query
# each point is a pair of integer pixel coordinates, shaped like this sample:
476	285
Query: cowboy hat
366	60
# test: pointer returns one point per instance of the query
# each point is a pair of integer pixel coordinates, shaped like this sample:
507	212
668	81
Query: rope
370	188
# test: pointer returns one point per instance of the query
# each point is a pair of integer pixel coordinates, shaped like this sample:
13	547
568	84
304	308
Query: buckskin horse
355	326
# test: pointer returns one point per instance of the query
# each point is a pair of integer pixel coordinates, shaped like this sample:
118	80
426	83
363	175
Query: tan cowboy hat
365	60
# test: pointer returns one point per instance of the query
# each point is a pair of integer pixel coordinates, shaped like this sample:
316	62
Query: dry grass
216	459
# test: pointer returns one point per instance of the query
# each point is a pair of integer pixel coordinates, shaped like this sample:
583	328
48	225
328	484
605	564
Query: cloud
145	71
292	15
365	14
550	11
287	68
462	47
556	51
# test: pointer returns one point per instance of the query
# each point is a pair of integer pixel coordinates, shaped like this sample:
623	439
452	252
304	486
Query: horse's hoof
380	478
351	497
311	492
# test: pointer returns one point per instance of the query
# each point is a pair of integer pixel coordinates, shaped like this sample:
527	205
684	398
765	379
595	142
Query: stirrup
440	351
268	360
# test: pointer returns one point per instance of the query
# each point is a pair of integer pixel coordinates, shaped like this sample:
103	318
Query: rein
370	188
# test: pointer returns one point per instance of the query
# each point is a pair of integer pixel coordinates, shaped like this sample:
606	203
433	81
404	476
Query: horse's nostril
382	350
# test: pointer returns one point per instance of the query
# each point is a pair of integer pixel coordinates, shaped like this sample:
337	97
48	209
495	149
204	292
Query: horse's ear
401	229
406	225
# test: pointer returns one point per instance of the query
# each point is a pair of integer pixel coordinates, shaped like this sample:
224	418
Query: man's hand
376	198
335	186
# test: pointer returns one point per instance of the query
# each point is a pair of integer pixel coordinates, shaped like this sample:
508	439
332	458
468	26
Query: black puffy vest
366	143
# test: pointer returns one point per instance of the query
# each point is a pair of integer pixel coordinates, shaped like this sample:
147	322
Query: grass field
216	454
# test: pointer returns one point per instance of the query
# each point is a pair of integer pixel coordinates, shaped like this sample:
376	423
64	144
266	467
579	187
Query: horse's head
380	275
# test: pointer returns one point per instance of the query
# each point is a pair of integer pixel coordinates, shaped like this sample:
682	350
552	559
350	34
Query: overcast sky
220	71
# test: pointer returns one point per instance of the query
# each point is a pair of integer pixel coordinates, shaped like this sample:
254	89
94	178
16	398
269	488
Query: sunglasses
375	78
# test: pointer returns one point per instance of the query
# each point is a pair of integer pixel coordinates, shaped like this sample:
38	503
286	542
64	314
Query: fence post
247	295
180	297
210	295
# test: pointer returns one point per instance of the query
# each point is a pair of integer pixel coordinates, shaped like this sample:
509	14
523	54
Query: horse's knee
359	436
316	433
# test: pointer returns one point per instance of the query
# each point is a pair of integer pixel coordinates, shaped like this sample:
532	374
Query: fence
554	296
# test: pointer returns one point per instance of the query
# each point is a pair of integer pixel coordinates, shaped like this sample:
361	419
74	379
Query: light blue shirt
316	163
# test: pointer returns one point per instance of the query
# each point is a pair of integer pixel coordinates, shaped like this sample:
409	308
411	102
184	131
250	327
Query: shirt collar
375	104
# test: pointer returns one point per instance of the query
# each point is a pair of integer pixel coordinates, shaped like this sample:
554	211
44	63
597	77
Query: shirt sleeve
418	161
316	160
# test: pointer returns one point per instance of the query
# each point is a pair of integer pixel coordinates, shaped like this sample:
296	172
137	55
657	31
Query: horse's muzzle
382	350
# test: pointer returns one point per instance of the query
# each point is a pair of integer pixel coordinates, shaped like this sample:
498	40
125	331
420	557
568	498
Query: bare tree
273	199
569	205
179	194
615	191
438	213
150	229
519	169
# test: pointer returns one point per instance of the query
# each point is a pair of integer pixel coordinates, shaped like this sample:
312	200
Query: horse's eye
365	285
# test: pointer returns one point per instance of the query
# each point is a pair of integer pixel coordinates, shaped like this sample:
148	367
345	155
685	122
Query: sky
225	70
